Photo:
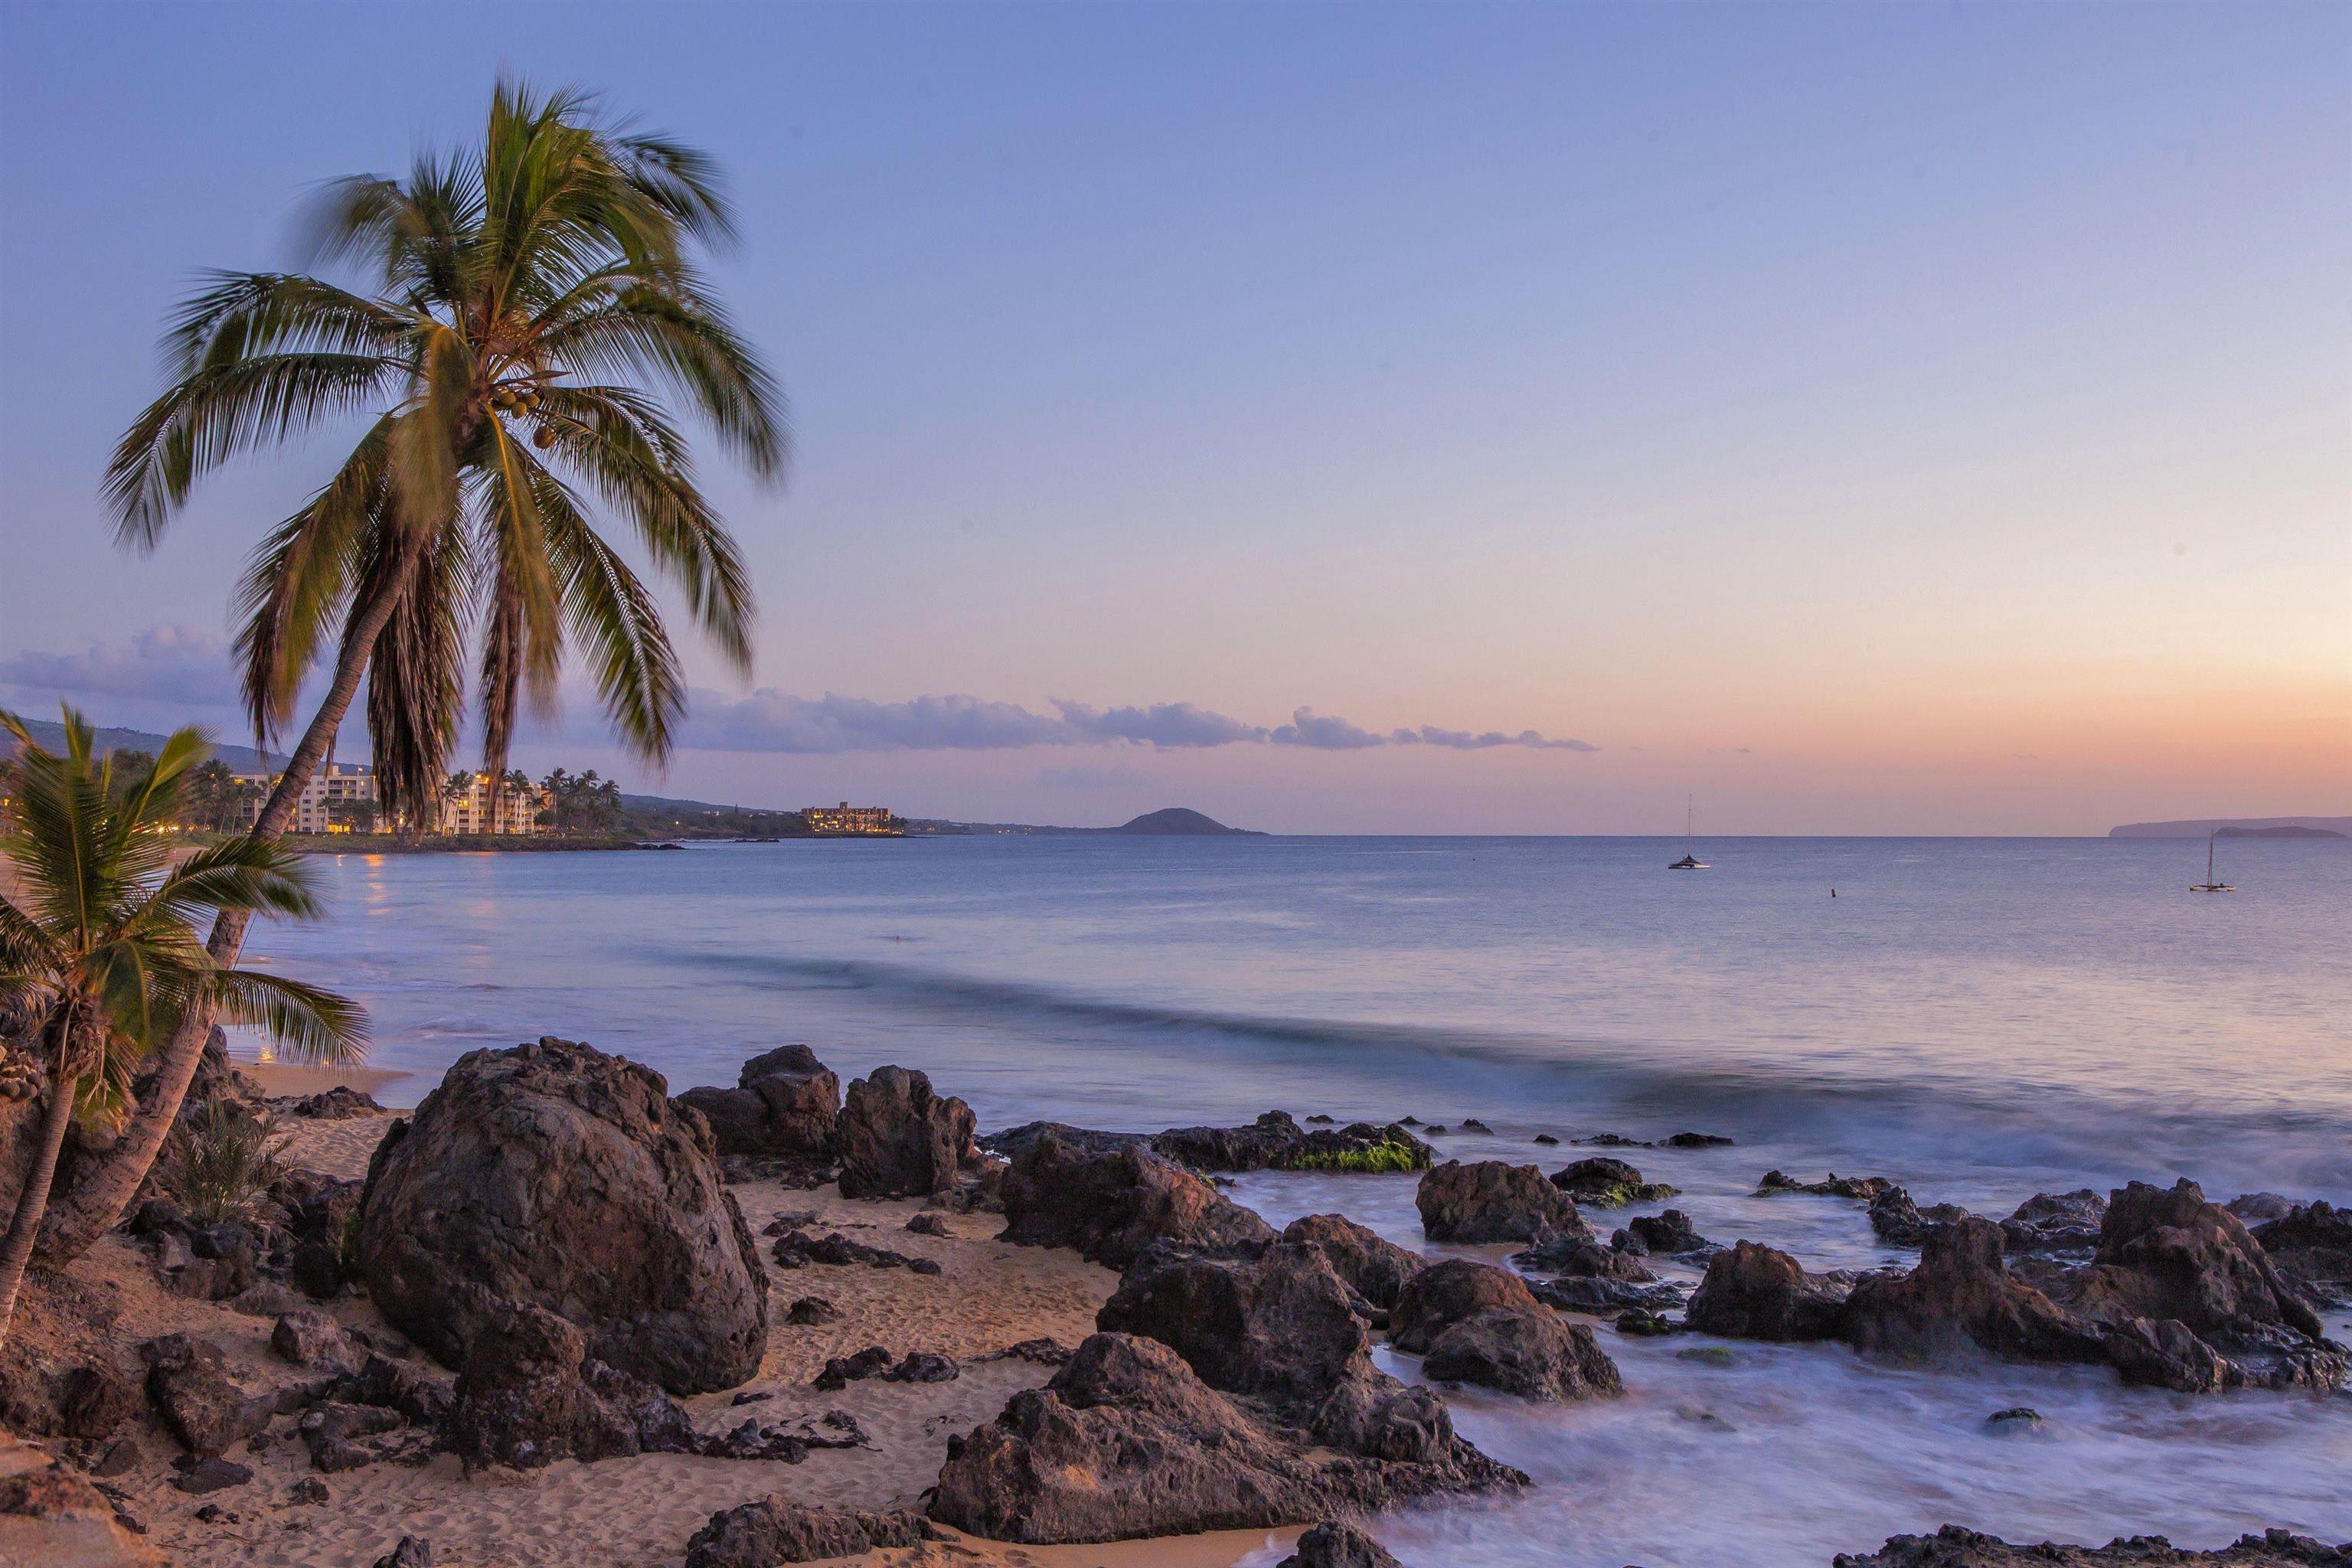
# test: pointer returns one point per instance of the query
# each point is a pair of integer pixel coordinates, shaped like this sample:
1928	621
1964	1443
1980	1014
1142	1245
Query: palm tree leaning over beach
521	299
97	945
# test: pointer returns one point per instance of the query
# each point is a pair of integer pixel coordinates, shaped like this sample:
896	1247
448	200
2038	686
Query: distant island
1180	822
2240	827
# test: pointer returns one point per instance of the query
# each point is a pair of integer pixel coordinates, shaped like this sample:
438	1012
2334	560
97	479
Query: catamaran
2208	885
1689	862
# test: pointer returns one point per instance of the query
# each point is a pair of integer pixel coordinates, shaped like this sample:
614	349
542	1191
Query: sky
1921	418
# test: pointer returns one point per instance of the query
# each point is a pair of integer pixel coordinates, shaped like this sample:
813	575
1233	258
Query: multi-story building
485	805
849	818
337	798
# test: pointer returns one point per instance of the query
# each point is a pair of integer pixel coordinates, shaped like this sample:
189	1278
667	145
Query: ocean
1978	1019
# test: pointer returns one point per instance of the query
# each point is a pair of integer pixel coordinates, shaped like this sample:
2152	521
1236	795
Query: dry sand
639	1513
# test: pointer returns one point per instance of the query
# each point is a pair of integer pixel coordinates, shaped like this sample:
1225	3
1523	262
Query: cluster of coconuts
522	401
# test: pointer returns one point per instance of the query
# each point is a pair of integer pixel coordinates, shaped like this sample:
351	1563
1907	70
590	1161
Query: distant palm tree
522	298
98	949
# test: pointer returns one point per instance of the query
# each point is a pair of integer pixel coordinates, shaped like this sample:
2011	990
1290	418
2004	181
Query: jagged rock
1753	1292
1608	1183
1451	1292
897	1139
1899	1222
310	1338
414	1552
798	1249
1667	1233
777	1529
319	1210
531	1393
188	1382
1527	1350
1580	1259
1492	1201
398	1385
810	1310
1954	1547
555	1175
1337	1545
1111	1202
929	1223
1126	1441
2312	1246
1603	1297
307	1491
341	1103
1276	1142
1962	1293
1373	1268
1546	1139
1863	1188
1279	1325
786	1105
2055	1222
51	1516
332	1431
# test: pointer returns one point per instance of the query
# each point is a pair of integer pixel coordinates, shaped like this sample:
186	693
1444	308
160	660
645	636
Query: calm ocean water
1978	1019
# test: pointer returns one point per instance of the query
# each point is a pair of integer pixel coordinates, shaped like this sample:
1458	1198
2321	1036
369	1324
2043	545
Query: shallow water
1978	1019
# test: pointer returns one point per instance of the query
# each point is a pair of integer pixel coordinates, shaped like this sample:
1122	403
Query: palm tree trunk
97	1200
33	1200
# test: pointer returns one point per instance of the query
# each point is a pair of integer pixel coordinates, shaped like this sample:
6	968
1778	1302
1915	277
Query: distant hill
1180	822
52	734
2237	827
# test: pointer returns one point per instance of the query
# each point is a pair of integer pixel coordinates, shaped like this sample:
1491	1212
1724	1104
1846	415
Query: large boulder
1956	1547
1279	1325
1449	1292
1531	1351
1112	1203
899	1139
786	1104
1372	1266
554	1175
531	1394
775	1529
1608	1183
189	1383
1127	1441
1753	1292
2312	1244
1490	1200
1961	1293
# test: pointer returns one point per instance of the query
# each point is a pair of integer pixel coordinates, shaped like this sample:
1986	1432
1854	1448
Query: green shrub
221	1162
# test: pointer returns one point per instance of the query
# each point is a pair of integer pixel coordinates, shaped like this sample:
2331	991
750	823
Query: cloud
1307	728
772	720
1463	740
165	664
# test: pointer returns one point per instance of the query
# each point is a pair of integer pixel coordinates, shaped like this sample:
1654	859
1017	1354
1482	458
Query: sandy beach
639	1513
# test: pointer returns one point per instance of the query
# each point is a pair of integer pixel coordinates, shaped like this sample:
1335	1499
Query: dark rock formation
1337	1545
1753	1292
1962	1293
50	1515
341	1103
1449	1292
777	1529
1953	1547
310	1338
1863	1188
1664	1234
1608	1183
1582	1259
62	1372
1473	1323
899	1139
1127	1441
188	1382
1111	1202
319	1228
1276	1142
412	1552
554	1175
2055	1222
1697	1141
1493	1201
798	1249
531	1394
1280	1326
786	1105
1899	1222
1601	1297
2312	1246
1374	1268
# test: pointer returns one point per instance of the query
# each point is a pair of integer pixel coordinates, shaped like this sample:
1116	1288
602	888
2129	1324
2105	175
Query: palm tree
98	949
519	299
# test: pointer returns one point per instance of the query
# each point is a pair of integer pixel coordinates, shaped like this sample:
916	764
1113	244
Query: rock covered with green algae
1954	1547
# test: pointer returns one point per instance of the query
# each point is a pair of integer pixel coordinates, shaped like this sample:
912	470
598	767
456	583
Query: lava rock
1955	1547
899	1138
1338	1545
531	1394
1863	1188
1608	1183
552	1174
1493	1201
786	1105
1961	1293
189	1384
1753	1292
1529	1351
213	1474
1668	1233
1373	1268
1450	1291
810	1310
777	1529
310	1338
2055	1222
1280	1325
1112	1203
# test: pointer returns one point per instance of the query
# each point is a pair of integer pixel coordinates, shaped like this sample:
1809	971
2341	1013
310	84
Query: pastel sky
1867	419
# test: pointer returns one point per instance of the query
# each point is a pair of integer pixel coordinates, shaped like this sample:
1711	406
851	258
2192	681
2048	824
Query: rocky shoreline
556	1291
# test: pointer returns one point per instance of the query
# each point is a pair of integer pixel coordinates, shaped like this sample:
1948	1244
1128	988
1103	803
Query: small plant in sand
220	1163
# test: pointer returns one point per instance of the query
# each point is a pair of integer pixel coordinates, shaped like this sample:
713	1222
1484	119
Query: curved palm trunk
33	1200
96	1201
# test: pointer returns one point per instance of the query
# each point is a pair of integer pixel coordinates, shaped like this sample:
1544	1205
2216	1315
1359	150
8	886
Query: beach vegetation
99	957
1379	1158
221	1161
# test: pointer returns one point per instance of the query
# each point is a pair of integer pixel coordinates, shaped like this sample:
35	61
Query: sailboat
1689	862
2208	885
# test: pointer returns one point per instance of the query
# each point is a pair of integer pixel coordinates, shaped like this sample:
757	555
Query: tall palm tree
99	948
519	302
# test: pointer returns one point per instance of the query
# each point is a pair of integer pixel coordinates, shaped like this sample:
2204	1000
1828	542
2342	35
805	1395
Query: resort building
849	818
338	799
485	805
